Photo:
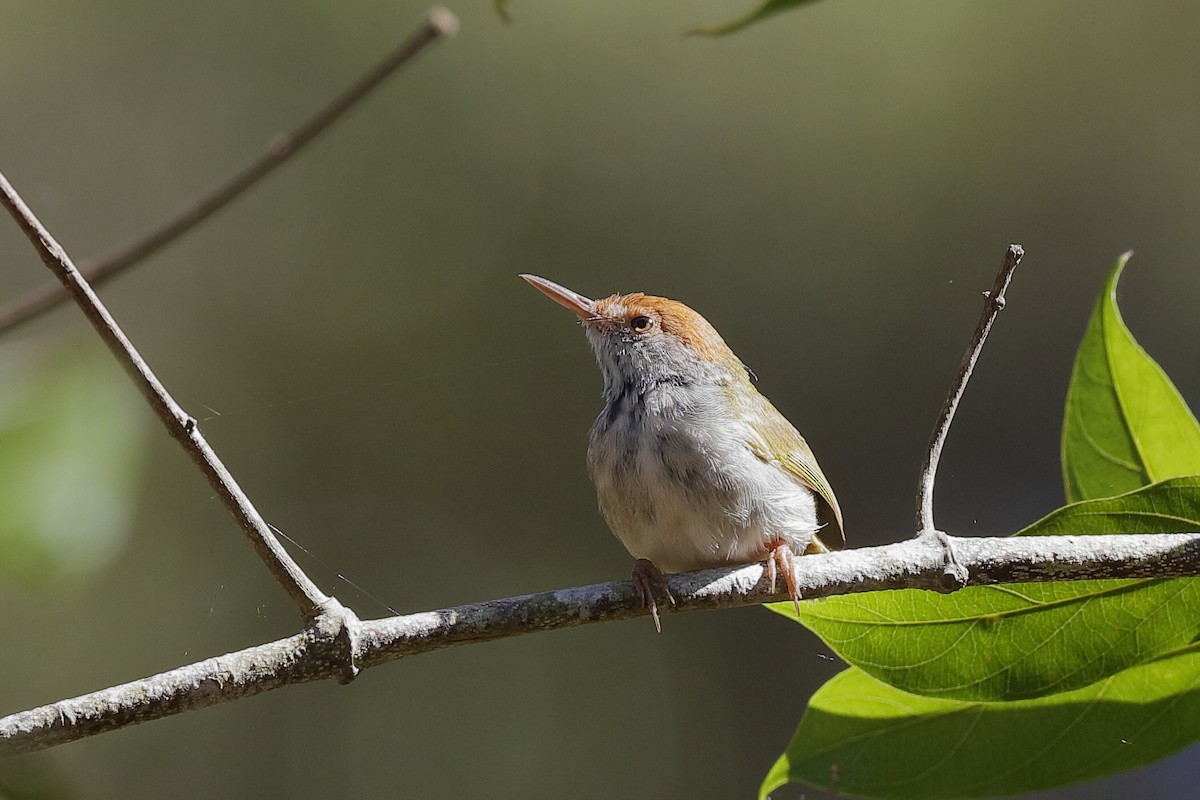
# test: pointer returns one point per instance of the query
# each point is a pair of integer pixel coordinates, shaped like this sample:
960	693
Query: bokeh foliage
71	451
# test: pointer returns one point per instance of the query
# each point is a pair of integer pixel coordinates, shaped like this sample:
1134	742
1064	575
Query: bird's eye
641	324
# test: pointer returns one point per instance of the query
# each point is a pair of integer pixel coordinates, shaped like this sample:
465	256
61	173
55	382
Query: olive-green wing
780	443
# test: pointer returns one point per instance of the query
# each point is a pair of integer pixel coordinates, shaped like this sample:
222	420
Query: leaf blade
1125	423
861	737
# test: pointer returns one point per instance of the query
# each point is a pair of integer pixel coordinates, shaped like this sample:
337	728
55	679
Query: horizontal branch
336	645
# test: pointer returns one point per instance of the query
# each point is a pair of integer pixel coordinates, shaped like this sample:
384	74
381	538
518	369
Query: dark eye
641	324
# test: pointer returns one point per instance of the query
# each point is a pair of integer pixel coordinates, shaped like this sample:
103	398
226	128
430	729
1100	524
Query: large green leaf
1125	424
864	738
71	442
1011	642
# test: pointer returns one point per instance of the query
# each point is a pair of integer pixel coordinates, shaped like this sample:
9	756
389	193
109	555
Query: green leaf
71	440
864	738
1009	642
767	9
1126	424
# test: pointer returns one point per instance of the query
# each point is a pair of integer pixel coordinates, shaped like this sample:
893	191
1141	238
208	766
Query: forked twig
180	425
439	23
993	304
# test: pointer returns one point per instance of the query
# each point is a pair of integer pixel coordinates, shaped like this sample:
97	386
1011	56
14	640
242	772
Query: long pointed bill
581	305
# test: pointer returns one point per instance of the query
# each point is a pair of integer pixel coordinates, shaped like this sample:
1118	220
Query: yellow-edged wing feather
781	444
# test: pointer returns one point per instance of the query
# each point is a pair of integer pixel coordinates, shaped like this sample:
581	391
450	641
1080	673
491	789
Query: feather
777	442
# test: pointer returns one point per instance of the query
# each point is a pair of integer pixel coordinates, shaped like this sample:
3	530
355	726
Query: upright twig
992	305
179	424
439	23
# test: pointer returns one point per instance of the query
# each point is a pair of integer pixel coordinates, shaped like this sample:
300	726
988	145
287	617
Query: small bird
693	467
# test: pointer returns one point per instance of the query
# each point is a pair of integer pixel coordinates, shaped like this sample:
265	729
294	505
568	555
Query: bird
693	467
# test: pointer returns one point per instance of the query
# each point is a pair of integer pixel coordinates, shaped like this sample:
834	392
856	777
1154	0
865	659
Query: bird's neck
623	378
636	395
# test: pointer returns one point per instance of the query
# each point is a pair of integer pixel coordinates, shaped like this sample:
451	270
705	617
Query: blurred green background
831	188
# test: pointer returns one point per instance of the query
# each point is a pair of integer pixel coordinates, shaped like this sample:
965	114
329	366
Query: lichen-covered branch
337	645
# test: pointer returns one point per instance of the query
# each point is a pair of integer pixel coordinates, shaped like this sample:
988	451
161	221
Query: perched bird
693	467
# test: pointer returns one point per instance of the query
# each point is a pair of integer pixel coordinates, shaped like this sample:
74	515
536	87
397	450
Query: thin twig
439	23
179	424
333	646
993	304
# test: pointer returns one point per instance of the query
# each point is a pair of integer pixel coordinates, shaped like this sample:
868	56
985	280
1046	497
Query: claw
780	558
646	578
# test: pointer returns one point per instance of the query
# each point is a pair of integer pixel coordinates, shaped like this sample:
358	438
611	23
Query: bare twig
438	24
179	424
993	304
335	645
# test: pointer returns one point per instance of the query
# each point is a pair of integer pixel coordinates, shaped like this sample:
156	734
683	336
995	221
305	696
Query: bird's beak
581	305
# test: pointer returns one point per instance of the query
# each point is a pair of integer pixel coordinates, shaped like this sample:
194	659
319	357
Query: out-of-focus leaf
766	9
1013	642
1125	424
71	441
864	738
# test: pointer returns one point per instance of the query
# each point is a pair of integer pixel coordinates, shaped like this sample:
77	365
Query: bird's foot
647	578
780	558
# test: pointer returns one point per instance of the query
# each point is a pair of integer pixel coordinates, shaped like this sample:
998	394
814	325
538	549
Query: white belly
689	496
